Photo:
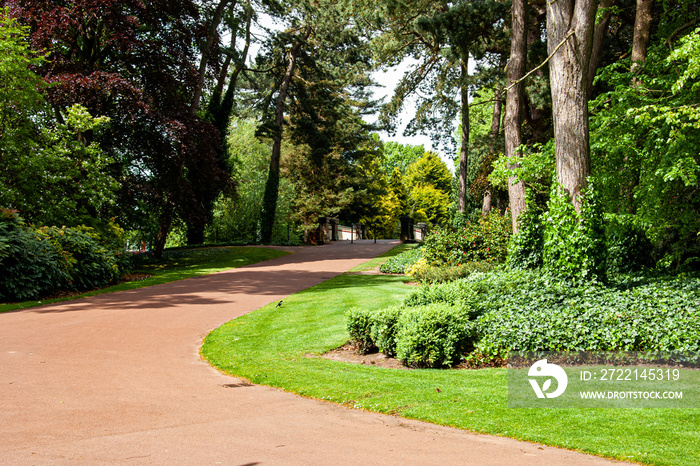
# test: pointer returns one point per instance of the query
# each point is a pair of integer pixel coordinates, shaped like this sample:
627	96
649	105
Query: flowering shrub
485	240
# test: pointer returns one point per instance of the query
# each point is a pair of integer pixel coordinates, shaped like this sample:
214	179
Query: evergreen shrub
436	335
359	324
384	329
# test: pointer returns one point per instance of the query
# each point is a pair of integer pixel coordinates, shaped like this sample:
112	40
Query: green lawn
279	347
175	265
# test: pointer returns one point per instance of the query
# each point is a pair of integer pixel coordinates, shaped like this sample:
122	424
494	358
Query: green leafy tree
645	144
53	173
66	180
20	101
429	170
399	156
320	67
236	218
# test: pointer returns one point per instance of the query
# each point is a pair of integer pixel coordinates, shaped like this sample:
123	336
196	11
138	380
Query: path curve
117	379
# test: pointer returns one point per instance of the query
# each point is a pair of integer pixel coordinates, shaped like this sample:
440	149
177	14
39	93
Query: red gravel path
117	378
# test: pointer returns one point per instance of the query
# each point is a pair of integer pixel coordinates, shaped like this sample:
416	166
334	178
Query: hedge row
435	335
37	262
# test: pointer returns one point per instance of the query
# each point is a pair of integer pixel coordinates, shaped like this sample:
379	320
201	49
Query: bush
485	240
628	247
92	264
400	262
431	274
359	324
37	262
31	265
384	329
436	335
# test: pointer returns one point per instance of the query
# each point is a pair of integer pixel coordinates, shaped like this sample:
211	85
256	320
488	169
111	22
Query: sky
389	80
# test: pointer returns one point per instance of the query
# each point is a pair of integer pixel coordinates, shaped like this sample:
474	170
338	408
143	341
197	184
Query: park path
117	379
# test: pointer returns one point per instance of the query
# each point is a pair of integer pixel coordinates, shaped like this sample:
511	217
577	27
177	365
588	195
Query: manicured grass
279	347
175	265
379	260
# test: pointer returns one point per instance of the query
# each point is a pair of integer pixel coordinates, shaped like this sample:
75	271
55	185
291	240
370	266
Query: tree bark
267	216
570	23
166	221
514	105
464	150
599	33
642	30
206	54
493	134
221	81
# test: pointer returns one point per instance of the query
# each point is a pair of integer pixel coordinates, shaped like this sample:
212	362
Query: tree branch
571	33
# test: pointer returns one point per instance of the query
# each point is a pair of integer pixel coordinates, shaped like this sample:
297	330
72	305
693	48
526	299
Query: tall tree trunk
601	29
570	29
223	74
166	221
267	215
221	108
206	54
642	31
514	105
493	135
464	150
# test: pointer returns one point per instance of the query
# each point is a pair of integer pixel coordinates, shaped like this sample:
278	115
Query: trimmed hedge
436	335
384	328
359	324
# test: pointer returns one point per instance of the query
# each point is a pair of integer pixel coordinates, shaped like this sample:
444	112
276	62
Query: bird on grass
279	304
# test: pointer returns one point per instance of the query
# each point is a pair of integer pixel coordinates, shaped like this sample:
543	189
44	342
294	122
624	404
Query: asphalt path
118	379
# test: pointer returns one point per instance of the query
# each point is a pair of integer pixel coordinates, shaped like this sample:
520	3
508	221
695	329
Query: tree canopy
150	113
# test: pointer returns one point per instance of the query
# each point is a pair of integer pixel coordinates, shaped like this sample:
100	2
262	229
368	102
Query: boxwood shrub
436	335
359	324
384	329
